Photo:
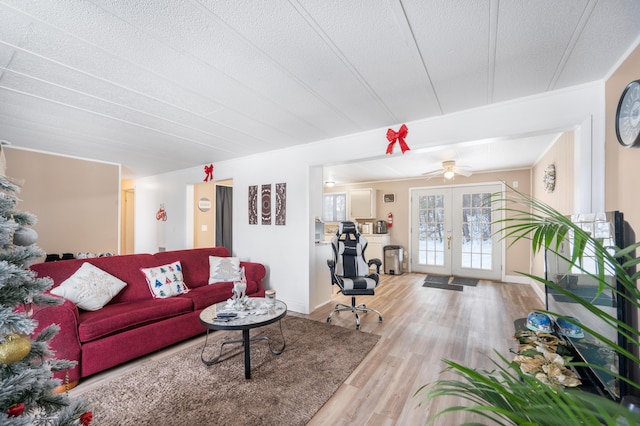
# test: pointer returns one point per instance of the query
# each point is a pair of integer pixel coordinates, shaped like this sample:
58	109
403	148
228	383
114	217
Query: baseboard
518	279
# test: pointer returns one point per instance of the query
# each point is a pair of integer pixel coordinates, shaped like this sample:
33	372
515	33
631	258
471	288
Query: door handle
448	242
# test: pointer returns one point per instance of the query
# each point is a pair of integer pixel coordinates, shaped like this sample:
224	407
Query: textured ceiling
161	85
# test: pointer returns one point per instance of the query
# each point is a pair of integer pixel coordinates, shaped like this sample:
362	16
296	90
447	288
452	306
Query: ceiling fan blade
462	172
433	173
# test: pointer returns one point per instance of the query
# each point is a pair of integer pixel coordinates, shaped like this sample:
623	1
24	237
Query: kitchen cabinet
362	203
376	243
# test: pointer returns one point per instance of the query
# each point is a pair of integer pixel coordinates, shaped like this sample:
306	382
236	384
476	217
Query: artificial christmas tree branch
27	384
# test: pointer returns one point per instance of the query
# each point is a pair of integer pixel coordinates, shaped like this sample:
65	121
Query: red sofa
133	323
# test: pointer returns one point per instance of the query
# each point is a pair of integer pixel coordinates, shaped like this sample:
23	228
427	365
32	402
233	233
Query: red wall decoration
393	137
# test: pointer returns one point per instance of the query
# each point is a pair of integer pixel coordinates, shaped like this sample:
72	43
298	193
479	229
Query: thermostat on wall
389	198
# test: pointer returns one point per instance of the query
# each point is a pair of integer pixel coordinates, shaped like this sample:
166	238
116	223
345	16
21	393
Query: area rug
284	389
443	286
437	279
465	281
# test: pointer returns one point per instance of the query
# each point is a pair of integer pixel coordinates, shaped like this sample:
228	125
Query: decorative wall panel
253	205
281	203
266	204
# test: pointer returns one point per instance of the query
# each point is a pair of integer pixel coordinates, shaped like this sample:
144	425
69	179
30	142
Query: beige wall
127	216
204	222
517	257
561	155
622	165
76	201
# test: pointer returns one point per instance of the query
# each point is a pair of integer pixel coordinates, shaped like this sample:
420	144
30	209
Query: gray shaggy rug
284	389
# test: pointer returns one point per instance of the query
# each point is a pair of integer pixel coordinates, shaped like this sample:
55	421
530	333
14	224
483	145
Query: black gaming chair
350	270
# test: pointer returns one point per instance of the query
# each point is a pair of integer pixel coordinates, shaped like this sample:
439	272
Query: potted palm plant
509	396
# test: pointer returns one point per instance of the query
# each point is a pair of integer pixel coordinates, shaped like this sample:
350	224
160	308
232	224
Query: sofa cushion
208	295
165	280
115	318
223	269
195	263
125	267
90	288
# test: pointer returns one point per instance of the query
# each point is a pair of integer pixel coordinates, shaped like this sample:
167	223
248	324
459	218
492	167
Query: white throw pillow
223	269
166	280
90	288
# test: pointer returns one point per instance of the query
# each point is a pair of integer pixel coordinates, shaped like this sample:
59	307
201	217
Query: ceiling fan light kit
448	166
449	171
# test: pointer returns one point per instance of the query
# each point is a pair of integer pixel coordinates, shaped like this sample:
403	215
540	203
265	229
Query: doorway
224	217
213	214
452	231
127	222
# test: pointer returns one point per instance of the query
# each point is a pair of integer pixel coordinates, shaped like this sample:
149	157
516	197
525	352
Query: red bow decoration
399	136
161	215
208	171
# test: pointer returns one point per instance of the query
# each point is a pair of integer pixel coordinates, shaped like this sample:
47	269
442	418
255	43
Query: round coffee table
245	320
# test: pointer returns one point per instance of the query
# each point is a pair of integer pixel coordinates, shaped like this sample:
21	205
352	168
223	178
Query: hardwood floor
421	327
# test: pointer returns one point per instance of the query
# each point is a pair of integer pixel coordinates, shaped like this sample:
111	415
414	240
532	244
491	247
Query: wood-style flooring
421	327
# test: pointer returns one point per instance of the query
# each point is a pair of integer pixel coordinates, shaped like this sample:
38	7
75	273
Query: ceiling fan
449	170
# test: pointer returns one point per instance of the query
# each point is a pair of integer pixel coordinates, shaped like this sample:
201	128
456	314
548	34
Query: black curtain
224	217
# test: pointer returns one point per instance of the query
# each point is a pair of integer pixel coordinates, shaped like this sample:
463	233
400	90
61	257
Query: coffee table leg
247	354
216	359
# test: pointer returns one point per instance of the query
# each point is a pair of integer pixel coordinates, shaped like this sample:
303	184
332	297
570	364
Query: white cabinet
362	203
376	243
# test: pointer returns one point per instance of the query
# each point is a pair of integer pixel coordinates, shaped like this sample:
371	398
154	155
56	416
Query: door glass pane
431	230
477	244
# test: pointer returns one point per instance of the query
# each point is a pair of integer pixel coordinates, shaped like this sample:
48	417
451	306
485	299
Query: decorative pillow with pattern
166	280
90	288
223	269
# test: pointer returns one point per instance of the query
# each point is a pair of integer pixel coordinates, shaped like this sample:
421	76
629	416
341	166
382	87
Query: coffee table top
257	316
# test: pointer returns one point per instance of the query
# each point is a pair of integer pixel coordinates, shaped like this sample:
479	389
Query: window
334	207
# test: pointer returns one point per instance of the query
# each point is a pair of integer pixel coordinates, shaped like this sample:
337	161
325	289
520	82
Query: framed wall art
281	203
266	204
253	205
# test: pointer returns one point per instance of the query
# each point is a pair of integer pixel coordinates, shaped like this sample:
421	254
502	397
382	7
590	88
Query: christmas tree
27	386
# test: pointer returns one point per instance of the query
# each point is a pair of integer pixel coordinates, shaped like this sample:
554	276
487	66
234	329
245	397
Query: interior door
452	232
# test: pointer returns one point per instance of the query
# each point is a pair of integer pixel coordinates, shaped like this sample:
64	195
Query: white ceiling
162	85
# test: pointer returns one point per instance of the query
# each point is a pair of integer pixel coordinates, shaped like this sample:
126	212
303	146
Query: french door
452	232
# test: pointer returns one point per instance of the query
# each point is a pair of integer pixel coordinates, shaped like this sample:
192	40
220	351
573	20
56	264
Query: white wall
286	251
173	191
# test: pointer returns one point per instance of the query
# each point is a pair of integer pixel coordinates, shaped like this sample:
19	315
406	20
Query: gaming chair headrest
347	228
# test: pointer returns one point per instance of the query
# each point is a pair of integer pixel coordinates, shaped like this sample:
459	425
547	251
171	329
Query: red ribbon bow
161	215
208	171
399	136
